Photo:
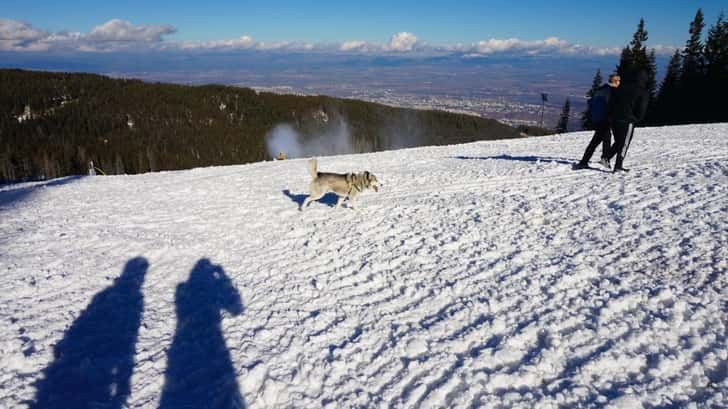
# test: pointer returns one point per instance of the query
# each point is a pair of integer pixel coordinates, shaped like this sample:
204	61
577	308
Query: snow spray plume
284	138
404	131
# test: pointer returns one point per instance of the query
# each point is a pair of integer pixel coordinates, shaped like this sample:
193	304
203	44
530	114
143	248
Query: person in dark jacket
627	108
598	109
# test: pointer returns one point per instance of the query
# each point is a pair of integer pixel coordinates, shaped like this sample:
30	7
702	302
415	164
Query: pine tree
716	70
586	122
716	46
636	58
625	61
564	117
651	68
692	75
693	52
635	55
652	75
667	101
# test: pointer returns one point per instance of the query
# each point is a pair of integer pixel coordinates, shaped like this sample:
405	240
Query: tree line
695	80
53	124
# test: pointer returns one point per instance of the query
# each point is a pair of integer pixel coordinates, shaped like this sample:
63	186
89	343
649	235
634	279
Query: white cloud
353	46
13	30
402	42
113	35
276	45
242	42
19	35
116	35
549	45
495	45
290	46
589	50
121	30
663	49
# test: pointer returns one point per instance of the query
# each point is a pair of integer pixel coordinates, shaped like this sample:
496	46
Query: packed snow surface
481	275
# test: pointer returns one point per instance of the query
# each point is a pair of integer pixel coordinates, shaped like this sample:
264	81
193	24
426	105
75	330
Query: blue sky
374	21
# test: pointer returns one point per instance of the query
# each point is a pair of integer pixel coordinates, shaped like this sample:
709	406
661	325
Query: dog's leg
352	200
315	195
306	202
309	199
339	201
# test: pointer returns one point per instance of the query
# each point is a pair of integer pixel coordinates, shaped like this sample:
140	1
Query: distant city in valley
505	109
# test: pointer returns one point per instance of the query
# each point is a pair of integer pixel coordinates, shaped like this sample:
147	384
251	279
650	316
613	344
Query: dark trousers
623	132
601	134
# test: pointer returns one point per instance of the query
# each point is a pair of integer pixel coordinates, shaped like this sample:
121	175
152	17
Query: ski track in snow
480	275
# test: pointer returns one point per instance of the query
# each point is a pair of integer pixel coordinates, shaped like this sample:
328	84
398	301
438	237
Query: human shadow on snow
533	159
12	195
200	372
329	199
94	361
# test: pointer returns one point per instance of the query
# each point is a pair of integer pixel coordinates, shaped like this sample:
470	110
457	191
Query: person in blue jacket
599	111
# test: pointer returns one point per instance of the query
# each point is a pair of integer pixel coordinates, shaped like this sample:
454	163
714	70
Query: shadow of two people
94	361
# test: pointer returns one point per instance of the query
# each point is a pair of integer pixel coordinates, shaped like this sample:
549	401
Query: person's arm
610	105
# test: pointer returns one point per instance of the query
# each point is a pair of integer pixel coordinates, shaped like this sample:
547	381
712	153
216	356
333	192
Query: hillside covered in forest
53	124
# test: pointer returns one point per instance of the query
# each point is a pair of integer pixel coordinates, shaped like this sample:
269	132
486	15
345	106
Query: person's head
615	80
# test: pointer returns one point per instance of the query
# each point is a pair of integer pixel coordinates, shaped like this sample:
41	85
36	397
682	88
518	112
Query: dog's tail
313	168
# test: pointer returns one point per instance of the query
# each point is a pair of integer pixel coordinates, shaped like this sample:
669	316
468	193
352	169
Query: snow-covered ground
482	275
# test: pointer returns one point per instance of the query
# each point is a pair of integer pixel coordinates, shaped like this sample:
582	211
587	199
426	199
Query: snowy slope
481	275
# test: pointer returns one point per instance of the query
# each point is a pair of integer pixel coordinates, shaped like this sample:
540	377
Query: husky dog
345	185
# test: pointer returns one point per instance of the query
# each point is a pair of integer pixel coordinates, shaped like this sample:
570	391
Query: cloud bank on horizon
121	35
